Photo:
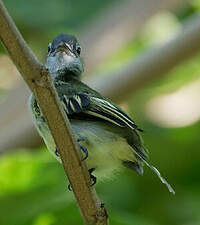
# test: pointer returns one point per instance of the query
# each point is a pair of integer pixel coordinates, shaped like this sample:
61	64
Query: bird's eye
49	47
78	50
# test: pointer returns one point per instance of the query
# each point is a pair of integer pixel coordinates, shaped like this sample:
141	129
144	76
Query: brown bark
122	21
39	81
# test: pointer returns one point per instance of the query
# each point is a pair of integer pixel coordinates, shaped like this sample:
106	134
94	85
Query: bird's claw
92	177
80	139
84	149
56	152
69	187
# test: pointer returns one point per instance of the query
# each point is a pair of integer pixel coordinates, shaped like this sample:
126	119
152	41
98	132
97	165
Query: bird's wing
98	107
75	103
101	108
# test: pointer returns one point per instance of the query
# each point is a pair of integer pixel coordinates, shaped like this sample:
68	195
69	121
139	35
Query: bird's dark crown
65	38
64	57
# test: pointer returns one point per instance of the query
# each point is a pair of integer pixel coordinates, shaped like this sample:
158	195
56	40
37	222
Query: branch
152	64
39	82
114	21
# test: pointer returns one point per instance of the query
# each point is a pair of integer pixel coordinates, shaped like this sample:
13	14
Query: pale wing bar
75	104
97	107
110	112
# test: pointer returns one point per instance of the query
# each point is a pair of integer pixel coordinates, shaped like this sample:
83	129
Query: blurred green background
33	186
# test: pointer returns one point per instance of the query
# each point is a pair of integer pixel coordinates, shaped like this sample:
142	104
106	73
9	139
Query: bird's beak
65	48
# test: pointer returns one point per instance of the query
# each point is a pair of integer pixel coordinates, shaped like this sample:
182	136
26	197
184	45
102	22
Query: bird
108	138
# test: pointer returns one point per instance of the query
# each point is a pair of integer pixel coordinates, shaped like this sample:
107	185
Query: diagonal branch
38	80
126	19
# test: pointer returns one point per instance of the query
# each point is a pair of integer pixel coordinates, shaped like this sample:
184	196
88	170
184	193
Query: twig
95	37
40	83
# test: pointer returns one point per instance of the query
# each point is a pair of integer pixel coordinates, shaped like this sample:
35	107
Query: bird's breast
106	148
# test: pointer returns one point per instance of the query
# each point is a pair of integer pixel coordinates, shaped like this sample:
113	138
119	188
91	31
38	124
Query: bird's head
63	56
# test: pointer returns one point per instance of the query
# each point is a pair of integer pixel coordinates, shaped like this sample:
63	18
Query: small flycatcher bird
109	138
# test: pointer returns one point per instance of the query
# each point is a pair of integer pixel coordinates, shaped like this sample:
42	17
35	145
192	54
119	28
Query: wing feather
75	103
97	107
112	112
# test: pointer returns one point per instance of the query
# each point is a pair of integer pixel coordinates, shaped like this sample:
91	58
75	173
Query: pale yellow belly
106	150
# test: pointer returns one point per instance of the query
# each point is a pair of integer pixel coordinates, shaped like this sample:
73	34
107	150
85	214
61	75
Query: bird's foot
69	187
84	149
56	152
92	177
80	139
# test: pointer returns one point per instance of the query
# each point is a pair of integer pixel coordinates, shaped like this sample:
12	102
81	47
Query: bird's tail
163	180
143	157
141	154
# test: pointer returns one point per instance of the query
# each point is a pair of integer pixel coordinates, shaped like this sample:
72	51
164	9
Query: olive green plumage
110	136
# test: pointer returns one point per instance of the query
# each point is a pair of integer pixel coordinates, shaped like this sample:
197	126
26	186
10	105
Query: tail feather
141	153
137	166
163	180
